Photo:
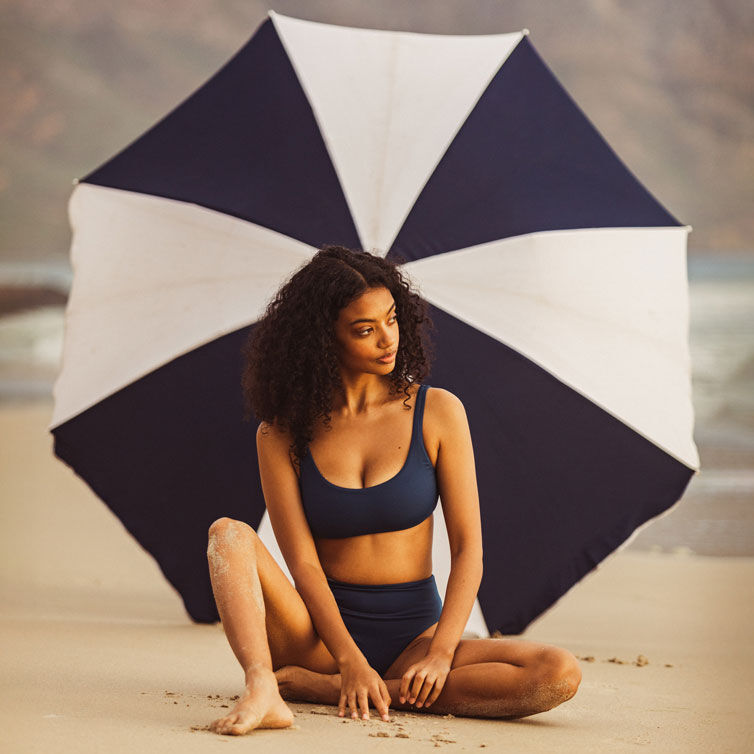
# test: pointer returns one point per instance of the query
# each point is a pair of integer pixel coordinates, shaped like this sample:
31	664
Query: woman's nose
387	338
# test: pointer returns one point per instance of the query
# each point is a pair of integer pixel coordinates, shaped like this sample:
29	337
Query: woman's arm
283	499
359	681
456	481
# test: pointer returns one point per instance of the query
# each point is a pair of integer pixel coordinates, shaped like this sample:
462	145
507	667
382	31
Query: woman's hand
424	680
359	682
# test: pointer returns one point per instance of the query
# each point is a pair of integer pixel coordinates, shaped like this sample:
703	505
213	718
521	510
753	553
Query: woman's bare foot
260	706
305	685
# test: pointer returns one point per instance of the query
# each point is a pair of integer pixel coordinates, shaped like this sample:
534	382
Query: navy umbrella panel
556	281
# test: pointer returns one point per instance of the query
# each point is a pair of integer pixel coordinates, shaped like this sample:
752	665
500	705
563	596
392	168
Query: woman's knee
553	678
224	525
231	544
559	670
230	531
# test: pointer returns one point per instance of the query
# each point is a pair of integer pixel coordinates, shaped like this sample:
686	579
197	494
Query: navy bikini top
401	502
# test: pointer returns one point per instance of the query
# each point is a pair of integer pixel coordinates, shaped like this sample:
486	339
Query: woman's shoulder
274	442
273	434
443	400
443	410
444	419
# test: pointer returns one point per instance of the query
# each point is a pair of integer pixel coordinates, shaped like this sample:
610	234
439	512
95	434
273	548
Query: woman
334	370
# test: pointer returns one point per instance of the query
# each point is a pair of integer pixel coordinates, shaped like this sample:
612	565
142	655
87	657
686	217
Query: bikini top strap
416	432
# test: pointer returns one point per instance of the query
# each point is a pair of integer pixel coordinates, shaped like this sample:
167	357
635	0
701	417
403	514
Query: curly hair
290	373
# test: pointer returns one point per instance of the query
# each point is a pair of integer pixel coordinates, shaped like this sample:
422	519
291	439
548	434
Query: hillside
669	85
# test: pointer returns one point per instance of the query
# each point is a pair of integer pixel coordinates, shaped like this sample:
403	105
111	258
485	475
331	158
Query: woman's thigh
291	634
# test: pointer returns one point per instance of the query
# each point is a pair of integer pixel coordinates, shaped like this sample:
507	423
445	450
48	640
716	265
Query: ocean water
716	514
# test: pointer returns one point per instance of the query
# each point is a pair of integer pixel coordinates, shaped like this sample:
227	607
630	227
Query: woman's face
366	330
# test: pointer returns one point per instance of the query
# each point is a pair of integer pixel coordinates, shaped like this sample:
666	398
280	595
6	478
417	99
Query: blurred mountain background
669	85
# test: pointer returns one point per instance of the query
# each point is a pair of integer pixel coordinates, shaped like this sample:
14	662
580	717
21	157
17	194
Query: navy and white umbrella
557	284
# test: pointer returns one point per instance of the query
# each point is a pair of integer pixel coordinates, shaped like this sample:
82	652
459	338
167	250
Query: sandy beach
99	654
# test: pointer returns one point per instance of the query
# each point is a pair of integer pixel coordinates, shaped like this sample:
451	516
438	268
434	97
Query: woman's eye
393	318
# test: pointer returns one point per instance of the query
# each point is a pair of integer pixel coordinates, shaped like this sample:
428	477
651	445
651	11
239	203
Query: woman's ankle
301	684
254	670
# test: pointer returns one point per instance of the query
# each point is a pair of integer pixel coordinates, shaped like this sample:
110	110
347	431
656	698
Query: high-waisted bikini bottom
383	619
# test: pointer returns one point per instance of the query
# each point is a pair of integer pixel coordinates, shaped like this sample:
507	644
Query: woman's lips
387	359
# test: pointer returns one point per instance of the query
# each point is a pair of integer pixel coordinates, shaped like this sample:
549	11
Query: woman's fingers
358	697
405	682
385	696
416	685
353	706
438	687
429	682
364	703
381	700
421	685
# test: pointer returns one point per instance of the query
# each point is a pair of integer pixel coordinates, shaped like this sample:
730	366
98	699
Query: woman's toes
224	724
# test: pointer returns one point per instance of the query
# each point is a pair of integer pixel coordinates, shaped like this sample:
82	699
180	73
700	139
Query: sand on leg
265	621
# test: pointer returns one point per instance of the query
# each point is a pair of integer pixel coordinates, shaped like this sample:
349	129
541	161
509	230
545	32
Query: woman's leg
499	678
266	623
502	678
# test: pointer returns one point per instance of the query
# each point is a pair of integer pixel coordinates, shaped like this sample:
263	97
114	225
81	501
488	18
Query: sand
98	653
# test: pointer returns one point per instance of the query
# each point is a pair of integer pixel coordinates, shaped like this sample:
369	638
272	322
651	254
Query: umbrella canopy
557	284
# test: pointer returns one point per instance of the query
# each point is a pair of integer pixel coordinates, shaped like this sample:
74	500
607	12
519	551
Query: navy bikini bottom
383	619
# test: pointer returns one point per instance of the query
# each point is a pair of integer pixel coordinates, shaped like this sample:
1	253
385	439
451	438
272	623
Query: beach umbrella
556	281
